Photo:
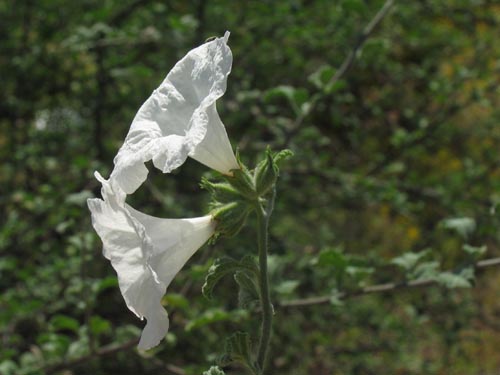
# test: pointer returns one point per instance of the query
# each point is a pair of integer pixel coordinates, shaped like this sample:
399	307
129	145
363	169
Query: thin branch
380	288
344	68
367	31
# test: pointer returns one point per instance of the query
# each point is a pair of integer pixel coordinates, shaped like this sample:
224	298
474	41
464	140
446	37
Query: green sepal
239	349
225	266
243	182
221	192
230	217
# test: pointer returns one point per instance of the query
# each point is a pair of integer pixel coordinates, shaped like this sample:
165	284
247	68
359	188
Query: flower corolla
146	253
180	119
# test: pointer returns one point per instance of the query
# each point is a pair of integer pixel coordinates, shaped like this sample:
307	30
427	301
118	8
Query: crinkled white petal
178	117
146	253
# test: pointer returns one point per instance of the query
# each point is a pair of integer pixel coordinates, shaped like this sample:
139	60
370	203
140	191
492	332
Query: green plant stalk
267	308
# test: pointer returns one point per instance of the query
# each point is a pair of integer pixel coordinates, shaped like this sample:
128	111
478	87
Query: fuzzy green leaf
474	251
225	266
296	97
215	315
452	280
248	295
426	270
464	226
238	349
409	260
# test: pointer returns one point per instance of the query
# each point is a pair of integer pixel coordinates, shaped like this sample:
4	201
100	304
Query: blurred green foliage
395	177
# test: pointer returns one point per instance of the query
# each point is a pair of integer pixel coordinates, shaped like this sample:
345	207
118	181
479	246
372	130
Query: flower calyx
230	218
244	190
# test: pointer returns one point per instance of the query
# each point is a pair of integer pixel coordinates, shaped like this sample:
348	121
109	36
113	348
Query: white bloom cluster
178	120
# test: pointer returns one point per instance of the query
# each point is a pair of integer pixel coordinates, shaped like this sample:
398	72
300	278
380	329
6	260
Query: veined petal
146	253
180	119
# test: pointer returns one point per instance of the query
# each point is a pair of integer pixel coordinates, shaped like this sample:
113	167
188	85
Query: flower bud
266	174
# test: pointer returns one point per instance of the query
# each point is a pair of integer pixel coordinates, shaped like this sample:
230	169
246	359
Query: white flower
180	119
146	252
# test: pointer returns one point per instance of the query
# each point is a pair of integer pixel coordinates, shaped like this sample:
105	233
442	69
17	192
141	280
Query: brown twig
380	288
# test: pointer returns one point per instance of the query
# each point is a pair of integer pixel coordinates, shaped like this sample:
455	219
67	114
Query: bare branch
381	288
367	31
344	68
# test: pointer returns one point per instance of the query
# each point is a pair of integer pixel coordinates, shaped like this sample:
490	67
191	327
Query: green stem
267	308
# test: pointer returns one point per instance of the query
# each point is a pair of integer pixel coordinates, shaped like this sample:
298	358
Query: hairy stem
265	298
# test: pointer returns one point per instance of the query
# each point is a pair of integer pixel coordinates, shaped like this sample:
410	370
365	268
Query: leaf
409	260
427	270
9	367
282	155
175	300
336	298
248	294
54	344
238	349
333	258
99	325
321	76
287	286
297	98
78	348
456	280
223	267
464	226
104	284
213	316
208	317
62	322
474	251
355	6
359	273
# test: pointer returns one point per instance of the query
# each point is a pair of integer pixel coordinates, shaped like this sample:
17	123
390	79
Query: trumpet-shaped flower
146	253
180	119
